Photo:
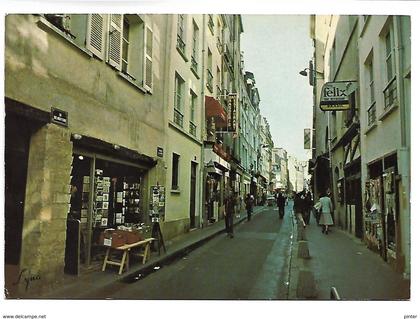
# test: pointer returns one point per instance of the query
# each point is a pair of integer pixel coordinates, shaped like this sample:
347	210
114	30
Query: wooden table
145	244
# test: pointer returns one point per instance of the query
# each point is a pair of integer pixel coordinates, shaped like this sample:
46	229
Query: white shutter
95	38
115	40
148	61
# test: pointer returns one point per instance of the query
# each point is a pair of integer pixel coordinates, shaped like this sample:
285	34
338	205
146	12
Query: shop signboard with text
232	114
335	96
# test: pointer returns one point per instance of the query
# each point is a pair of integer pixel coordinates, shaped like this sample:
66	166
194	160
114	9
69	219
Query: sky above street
276	48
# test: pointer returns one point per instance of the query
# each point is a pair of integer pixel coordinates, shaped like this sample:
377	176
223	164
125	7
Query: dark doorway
193	193
359	210
17	136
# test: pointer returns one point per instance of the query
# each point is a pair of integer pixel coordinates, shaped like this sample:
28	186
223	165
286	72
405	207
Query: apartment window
211	23
390	91
195	44
130	48
193	106
79	28
125	45
179	100
371	82
175	171
180	44
372	108
219	37
209	80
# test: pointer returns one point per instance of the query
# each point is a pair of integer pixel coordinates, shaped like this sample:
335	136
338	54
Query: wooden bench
126	254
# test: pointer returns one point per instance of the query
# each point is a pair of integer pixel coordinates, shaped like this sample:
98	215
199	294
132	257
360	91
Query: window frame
175	172
179	96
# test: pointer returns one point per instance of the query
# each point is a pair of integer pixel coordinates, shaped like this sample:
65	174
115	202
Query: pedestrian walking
298	207
229	212
325	219
249	203
280	204
307	207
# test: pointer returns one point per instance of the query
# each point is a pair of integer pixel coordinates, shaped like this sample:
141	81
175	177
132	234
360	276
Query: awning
117	151
211	169
210	157
215	109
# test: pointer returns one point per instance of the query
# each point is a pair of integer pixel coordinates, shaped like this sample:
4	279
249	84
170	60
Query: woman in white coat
326	208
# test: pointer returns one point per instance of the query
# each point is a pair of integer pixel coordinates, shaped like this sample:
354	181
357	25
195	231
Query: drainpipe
404	152
203	169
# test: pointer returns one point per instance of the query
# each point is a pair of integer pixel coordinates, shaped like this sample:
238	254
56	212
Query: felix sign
335	96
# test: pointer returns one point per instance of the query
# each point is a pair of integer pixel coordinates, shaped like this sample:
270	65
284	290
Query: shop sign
159	152
335	96
232	113
59	117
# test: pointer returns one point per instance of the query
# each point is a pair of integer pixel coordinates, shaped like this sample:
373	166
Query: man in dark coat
229	212
249	203
307	206
280	204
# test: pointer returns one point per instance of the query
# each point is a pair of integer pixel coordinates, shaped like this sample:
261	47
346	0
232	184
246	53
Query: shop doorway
193	187
104	194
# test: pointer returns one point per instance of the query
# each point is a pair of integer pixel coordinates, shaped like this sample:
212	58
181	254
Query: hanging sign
335	96
307	138
232	113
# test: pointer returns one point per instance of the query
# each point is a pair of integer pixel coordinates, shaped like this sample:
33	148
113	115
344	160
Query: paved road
253	265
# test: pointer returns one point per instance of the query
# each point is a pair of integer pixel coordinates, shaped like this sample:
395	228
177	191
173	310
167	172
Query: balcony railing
390	93
209	82
193	129
178	118
180	44
194	64
371	114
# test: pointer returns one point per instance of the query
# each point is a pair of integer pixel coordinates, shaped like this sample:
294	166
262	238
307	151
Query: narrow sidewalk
343	261
85	285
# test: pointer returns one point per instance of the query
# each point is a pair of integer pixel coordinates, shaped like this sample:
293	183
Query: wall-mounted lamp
77	136
312	73
116	147
304	73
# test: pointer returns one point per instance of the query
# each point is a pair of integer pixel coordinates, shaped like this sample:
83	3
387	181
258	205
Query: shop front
217	177
108	191
382	220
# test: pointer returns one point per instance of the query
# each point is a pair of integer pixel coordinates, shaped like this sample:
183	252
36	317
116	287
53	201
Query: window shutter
115	40
148	61
95	38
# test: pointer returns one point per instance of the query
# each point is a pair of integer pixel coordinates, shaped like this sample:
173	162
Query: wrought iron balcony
180	44
390	93
178	118
193	129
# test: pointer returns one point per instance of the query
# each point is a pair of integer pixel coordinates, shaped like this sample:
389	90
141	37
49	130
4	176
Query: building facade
279	169
94	123
366	147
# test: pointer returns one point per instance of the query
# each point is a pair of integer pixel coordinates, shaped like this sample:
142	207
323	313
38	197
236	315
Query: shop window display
116	202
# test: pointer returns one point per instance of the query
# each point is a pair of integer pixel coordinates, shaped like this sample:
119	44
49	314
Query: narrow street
252	265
